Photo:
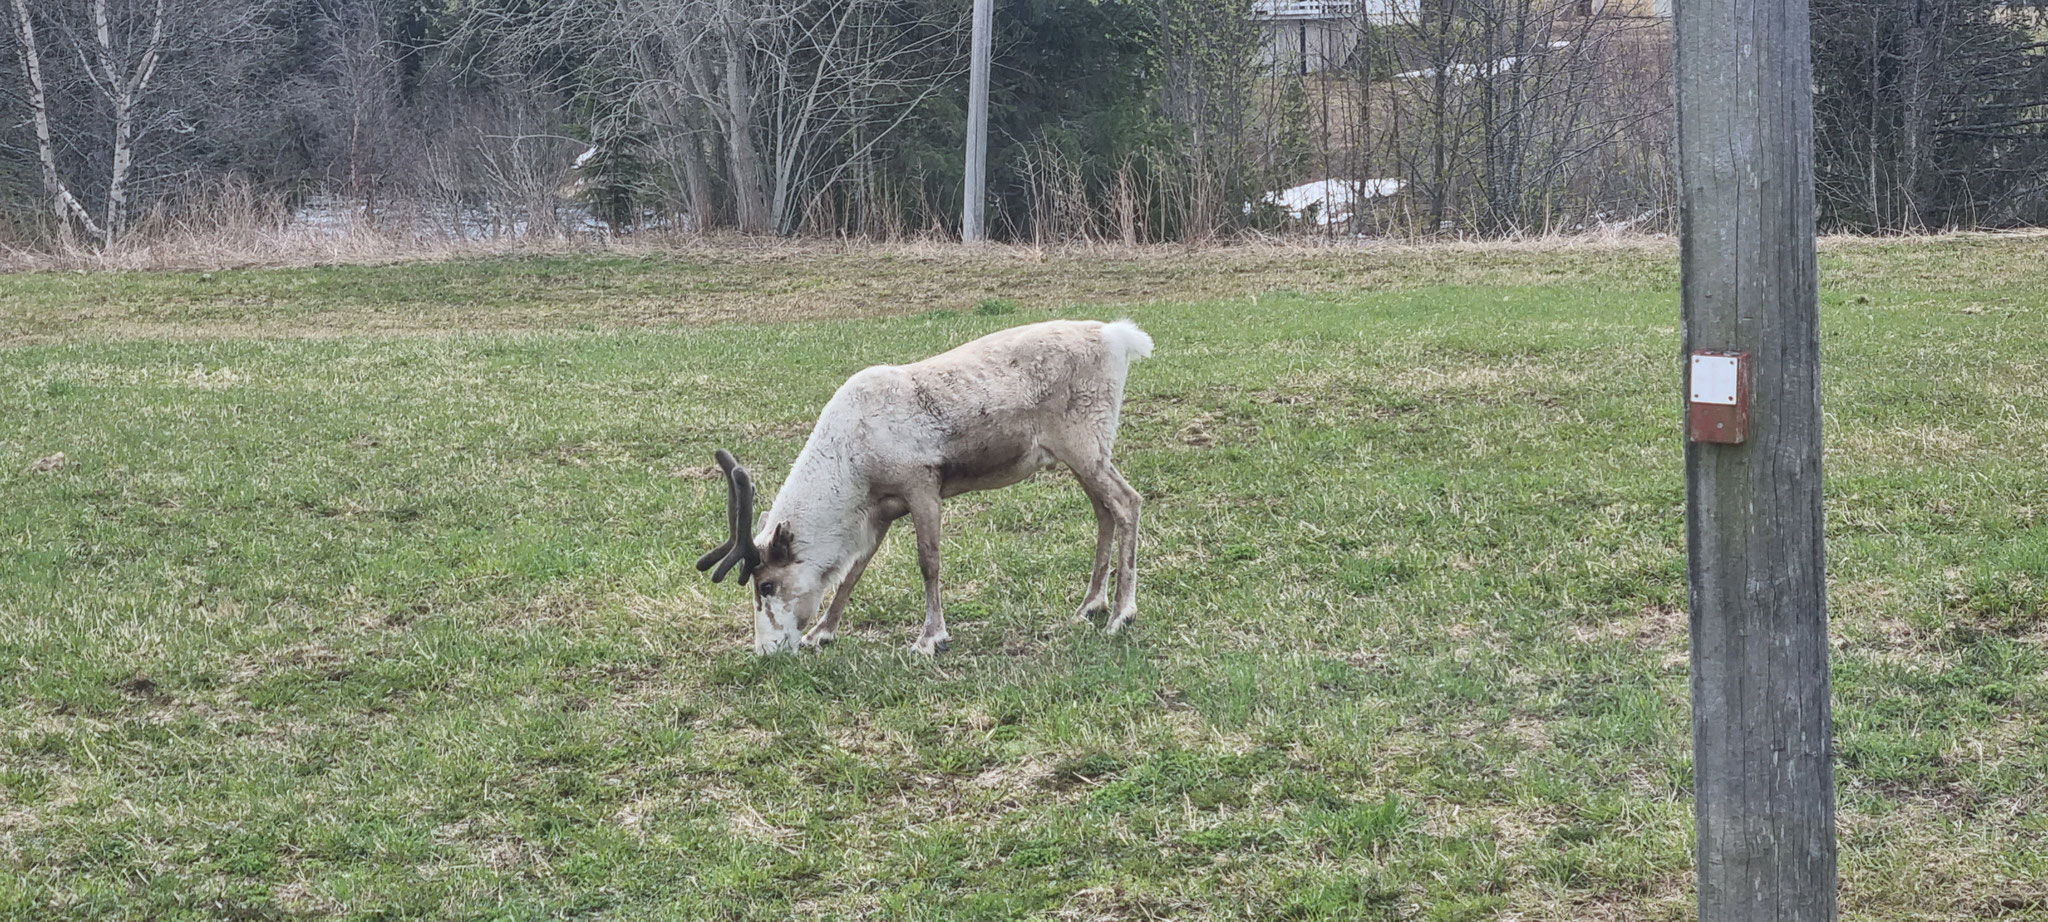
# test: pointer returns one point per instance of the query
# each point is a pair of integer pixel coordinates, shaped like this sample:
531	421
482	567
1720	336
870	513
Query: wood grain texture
1763	756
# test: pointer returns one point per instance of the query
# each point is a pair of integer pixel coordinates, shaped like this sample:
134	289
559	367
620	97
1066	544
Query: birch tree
122	75
64	205
96	83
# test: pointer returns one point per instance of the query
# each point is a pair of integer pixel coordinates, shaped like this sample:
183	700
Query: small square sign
1714	378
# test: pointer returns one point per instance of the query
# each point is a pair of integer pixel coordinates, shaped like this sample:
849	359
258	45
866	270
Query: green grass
366	593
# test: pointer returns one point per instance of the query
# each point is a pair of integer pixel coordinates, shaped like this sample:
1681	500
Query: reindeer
897	439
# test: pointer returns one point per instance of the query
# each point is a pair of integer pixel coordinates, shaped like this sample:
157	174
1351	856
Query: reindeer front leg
827	627
924	517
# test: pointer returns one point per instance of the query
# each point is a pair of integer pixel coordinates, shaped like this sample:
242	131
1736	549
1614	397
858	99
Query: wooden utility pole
1763	773
972	227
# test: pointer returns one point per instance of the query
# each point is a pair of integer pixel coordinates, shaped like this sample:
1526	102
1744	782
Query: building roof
1304	9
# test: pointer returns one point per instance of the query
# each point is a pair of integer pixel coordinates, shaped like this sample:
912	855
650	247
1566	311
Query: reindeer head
786	593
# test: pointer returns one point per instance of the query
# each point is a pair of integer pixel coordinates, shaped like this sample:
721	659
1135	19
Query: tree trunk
122	90
749	174
64	206
1917	122
1878	217
117	178
696	179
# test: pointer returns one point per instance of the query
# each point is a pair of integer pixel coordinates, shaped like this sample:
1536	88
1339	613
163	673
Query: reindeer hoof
928	646
1117	624
819	640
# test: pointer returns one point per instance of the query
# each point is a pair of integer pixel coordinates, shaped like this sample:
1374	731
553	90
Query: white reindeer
897	439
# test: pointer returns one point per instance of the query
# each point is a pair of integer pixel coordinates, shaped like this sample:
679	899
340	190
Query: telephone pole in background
973	229
1763	770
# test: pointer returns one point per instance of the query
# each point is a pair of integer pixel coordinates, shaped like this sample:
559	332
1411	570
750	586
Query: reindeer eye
766	588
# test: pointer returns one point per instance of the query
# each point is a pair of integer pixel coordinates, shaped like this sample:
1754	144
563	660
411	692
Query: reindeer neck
825	504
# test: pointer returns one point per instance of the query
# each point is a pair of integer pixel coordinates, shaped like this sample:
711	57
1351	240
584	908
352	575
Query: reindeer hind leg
1127	560
1116	505
1097	597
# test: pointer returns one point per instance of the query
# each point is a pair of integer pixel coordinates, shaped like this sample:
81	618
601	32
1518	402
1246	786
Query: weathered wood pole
1763	773
973	229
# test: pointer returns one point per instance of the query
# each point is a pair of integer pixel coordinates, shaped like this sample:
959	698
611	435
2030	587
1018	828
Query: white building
1651	9
1306	36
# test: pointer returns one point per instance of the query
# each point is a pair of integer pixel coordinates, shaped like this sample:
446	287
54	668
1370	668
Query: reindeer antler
739	510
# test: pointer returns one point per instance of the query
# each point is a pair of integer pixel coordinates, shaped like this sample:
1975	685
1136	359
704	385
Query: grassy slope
403	626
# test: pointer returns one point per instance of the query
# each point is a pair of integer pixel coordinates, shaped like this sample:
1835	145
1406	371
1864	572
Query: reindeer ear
782	546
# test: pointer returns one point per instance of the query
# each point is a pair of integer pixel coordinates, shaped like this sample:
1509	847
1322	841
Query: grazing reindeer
897	439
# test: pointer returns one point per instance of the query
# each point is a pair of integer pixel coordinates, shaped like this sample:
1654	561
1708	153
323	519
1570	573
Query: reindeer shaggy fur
897	439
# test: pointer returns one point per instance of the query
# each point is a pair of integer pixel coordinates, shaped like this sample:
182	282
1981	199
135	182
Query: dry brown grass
252	246
285	293
256	245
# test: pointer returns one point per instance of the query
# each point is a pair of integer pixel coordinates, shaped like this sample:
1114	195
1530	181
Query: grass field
366	593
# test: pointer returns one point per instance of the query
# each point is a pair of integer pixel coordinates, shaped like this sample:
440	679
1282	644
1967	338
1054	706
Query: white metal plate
1713	379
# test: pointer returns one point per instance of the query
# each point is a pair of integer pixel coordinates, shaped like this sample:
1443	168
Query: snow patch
1464	72
1330	201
